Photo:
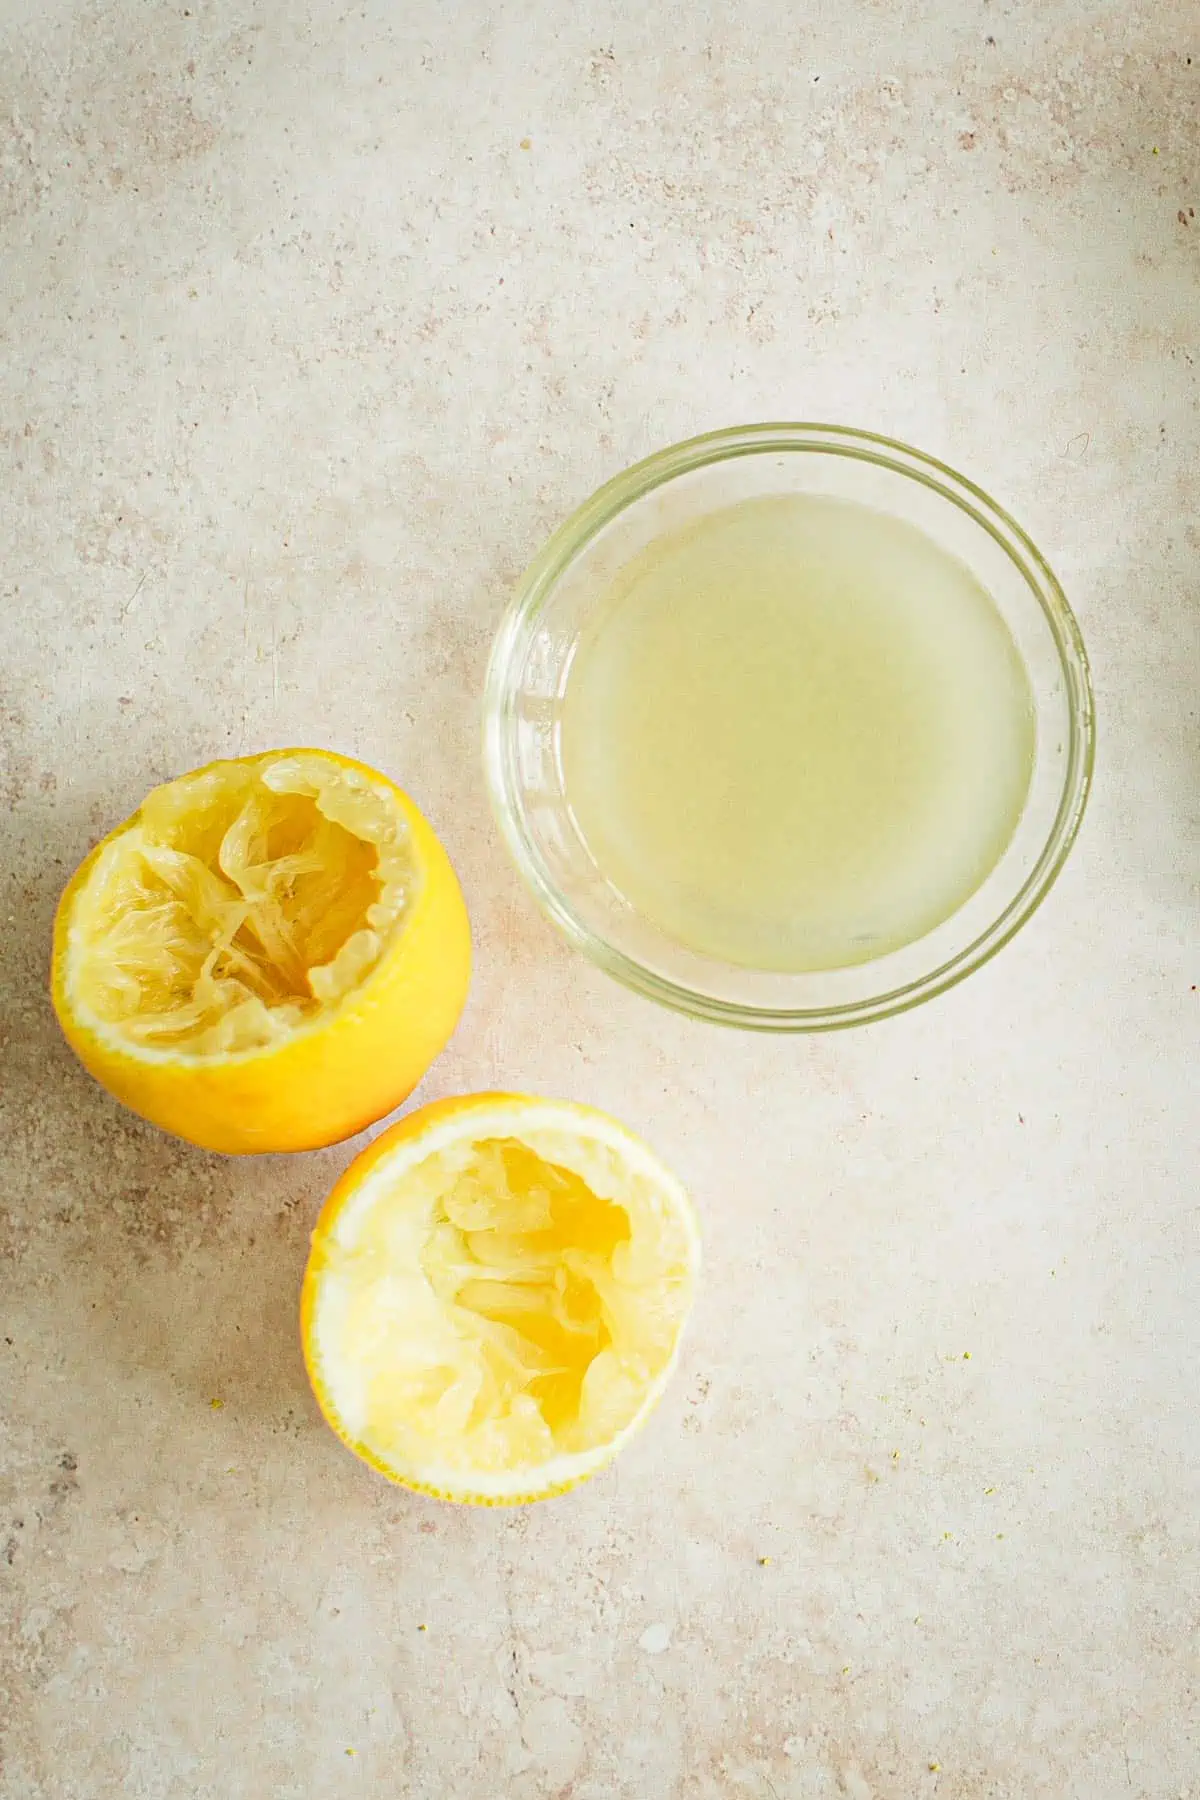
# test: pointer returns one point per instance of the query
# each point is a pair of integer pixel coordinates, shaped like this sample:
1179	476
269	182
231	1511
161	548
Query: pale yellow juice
797	735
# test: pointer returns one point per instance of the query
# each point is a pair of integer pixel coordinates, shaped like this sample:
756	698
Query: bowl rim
633	484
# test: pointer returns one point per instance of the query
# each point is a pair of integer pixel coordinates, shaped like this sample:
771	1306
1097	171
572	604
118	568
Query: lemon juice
797	734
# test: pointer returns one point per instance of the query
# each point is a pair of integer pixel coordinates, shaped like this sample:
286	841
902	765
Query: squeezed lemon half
495	1296
267	956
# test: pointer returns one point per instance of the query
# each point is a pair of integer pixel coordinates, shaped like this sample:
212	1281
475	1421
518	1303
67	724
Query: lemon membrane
797	735
244	900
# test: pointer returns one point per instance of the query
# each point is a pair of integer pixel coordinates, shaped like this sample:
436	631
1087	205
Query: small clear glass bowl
570	578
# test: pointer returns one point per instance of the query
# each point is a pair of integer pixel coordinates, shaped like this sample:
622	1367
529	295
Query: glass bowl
570	578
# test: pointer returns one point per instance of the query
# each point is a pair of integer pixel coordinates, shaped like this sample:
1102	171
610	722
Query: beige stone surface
313	320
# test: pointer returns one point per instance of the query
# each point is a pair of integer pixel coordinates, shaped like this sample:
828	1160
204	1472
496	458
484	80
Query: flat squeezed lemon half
495	1297
267	956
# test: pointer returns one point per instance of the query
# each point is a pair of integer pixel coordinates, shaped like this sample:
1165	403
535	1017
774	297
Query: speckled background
313	321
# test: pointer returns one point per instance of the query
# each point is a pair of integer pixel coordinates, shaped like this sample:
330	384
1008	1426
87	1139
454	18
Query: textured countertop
313	321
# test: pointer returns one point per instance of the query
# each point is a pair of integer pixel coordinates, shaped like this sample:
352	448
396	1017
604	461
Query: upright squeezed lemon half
267	956
495	1296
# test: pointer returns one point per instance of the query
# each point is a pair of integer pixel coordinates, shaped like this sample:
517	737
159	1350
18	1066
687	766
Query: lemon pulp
242	902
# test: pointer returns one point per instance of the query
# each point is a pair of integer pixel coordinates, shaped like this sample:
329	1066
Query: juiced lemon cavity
490	1309
245	901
